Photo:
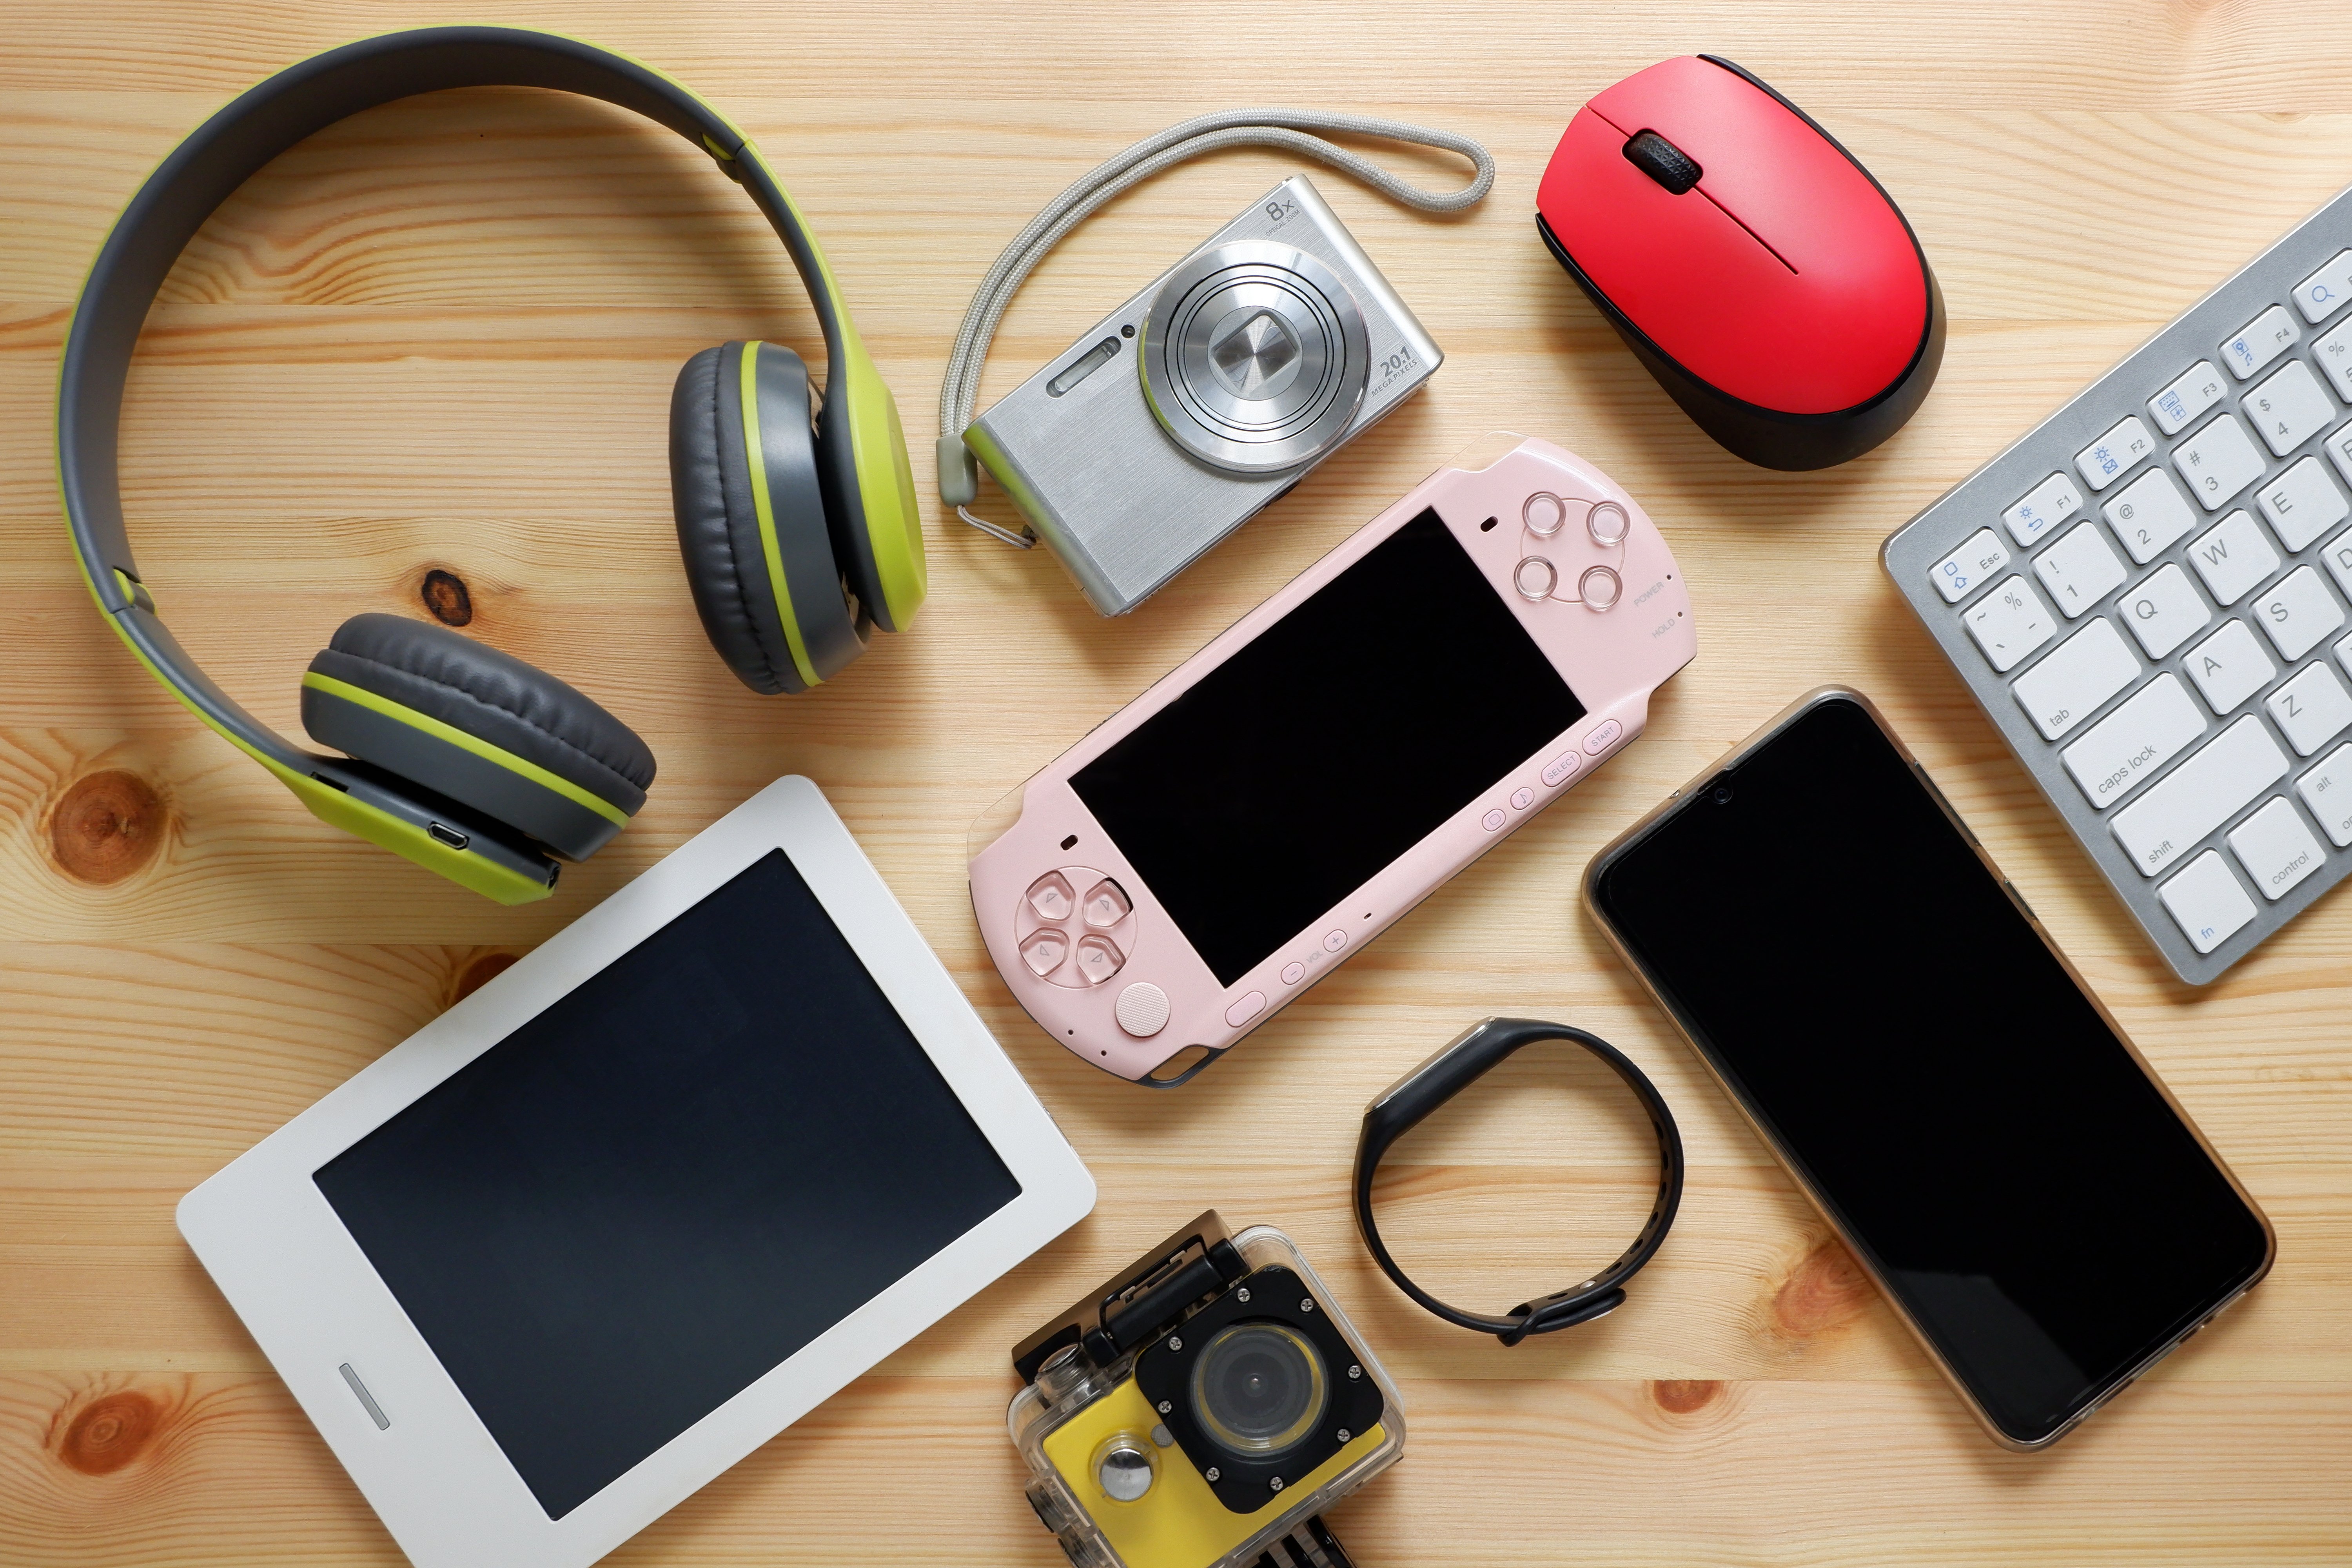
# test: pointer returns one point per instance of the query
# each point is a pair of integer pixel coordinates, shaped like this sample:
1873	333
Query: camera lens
1723	795
1258	1389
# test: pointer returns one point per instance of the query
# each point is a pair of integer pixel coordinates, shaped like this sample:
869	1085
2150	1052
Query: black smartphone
1889	1014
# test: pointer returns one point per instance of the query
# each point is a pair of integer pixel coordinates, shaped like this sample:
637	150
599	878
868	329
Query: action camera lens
1259	1389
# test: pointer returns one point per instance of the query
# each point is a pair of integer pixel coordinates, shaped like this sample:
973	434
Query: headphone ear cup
479	727
751	525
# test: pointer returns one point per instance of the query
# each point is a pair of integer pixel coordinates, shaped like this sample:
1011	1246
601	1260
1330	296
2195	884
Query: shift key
2180	809
2159	723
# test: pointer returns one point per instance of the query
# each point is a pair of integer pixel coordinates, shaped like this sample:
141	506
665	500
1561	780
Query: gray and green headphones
800	532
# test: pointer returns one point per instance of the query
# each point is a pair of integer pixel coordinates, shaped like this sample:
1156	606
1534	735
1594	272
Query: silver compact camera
1172	420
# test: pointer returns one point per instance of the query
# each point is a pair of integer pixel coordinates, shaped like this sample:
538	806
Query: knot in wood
111	1433
479	974
1685	1395
106	826
445	597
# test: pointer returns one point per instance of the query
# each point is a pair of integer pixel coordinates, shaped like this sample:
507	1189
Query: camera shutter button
1142	1009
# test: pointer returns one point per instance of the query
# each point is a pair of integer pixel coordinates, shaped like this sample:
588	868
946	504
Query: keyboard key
2302	503
2173	816
2333	353
2042	508
2234	556
2310	710
2326	790
2149	514
2276	849
2199	388
2260	341
1971	564
2009	623
2079	570
2323	293
2218	461
2104	461
2338	556
2298	612
2165	611
2229	667
2208	902
2339	447
2154	725
2289	408
2079	674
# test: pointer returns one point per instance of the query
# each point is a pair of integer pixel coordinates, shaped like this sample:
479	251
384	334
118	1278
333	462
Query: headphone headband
265	120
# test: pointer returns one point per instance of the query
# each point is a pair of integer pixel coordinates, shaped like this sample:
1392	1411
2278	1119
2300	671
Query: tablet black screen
648	1197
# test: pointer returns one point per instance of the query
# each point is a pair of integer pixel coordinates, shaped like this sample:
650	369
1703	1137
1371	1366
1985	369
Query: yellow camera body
1202	1410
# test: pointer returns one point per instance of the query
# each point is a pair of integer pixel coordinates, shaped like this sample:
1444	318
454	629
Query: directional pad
1072	943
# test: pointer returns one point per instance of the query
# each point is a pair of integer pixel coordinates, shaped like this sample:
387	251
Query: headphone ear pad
752	527
480	727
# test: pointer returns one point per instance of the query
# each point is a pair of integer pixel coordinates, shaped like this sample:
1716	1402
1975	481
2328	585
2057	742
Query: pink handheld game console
1226	840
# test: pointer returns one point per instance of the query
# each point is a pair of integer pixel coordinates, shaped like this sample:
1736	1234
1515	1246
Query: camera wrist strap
1286	128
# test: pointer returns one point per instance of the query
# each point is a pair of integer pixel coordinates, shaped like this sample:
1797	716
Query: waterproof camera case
1202	1410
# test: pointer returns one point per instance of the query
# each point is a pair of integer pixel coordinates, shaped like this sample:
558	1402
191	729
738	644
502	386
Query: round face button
1045	951
1543	514
1142	1009
1098	958
1049	895
1607	523
1599	588
1106	905
1535	578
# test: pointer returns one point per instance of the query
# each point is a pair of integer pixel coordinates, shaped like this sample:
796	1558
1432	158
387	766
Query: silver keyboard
2148	593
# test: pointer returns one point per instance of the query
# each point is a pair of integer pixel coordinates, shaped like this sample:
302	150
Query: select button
1561	766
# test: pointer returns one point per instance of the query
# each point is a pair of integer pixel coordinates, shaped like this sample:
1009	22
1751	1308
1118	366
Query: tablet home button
1248	1007
1142	1009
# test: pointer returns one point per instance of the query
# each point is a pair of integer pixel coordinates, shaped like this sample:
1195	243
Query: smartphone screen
1990	1147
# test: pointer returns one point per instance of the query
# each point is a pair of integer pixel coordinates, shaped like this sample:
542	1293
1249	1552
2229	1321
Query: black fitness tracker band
1411	1099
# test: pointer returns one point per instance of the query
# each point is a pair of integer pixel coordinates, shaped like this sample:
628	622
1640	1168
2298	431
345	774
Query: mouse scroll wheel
1663	162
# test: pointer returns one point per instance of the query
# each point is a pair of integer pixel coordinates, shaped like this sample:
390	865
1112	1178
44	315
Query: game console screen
1339	738
641	1201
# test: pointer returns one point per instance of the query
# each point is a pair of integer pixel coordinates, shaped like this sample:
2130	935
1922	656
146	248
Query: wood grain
439	338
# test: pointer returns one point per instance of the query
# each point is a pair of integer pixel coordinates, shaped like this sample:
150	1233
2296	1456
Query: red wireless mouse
1758	272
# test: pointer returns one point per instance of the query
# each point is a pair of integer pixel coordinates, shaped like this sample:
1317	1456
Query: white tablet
640	1202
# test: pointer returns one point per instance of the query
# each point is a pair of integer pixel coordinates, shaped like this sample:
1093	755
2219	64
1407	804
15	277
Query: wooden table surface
440	336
